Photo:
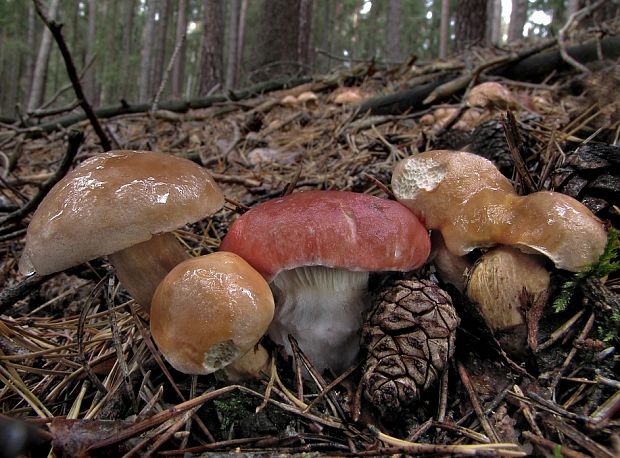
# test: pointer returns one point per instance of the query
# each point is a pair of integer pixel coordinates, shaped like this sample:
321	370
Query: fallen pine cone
409	336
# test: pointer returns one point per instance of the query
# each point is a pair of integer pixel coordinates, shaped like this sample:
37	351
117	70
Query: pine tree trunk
129	14
179	63
305	32
241	40
494	22
233	44
146	63
444	29
30	60
518	17
471	23
392	31
278	39
89	83
159	63
39	77
212	47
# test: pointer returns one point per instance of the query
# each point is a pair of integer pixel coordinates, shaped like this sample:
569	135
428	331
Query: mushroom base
323	309
142	267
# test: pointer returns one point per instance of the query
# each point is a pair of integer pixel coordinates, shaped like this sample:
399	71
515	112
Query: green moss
608	263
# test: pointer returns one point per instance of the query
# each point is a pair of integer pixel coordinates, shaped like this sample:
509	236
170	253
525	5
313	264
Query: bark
160	44
494	22
471	23
30	61
370	39
128	23
148	36
241	39
179	63
392	31
39	77
444	29
212	47
233	44
305	31
90	85
278	39
518	18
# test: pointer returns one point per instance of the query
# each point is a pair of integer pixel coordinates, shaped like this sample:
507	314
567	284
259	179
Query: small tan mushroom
507	284
307	98
348	97
491	95
210	312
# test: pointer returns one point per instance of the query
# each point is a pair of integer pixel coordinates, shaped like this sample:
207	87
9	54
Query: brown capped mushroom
123	204
473	205
210	312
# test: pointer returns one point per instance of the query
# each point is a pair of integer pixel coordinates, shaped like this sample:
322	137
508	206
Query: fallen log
178	106
532	67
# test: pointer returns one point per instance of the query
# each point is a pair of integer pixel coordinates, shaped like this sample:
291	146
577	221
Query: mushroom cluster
469	204
300	264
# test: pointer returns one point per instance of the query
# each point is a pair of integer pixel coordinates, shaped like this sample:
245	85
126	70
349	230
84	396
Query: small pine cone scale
409	336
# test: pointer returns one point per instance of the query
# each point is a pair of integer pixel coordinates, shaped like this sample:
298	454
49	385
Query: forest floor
80	368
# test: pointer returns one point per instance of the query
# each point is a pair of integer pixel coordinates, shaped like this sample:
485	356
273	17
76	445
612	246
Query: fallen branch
177	106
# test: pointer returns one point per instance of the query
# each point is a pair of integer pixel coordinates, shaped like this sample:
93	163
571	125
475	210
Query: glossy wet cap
473	205
113	201
337	229
209	311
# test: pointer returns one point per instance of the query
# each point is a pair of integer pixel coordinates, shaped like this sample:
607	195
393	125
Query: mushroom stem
249	366
141	267
323	308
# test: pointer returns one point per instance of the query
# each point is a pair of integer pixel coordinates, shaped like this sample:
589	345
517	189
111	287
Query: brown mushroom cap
209	311
337	229
473	205
113	201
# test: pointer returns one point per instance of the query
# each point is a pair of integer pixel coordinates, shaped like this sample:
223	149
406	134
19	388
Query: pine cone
591	174
409	336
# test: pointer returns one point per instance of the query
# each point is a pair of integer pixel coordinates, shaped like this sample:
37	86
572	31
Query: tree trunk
471	23
89	83
212	47
39	77
159	63
305	32
518	17
241	39
179	63
129	15
30	60
146	63
278	39
494	22
233	44
392	31
444	29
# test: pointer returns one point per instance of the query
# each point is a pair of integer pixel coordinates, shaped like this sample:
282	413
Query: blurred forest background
123	48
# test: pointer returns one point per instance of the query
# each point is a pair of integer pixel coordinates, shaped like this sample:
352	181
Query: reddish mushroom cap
336	229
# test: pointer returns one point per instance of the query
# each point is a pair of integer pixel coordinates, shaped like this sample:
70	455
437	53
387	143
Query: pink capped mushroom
316	249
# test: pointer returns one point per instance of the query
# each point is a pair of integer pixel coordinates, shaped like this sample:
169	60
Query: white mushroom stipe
323	308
